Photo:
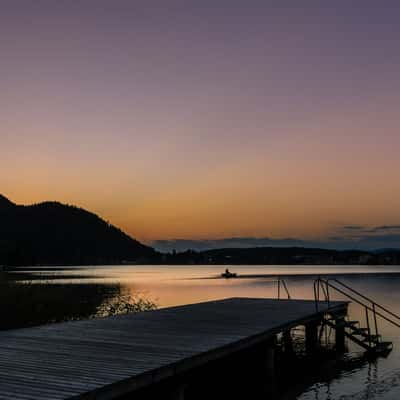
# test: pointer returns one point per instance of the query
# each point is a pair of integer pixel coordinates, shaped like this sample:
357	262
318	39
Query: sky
205	120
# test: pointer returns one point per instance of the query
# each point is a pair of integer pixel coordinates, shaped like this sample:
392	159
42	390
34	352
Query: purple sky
206	119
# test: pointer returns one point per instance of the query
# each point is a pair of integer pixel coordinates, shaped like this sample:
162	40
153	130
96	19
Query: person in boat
228	274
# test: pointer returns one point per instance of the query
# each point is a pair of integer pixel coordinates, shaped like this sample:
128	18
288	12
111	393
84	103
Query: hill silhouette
54	233
5	203
283	256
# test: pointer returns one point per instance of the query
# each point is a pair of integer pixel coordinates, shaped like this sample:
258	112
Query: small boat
227	274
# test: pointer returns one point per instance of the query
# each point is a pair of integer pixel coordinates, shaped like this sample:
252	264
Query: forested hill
284	256
54	233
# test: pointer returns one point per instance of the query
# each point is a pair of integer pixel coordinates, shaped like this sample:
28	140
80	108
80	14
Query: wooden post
311	336
340	333
261	374
270	361
269	384
288	342
179	392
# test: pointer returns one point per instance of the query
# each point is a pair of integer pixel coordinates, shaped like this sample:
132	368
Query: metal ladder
367	337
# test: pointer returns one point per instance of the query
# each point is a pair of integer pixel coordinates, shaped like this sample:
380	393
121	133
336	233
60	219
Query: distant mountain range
52	233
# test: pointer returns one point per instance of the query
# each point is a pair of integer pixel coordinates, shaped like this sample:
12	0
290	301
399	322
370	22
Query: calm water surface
174	285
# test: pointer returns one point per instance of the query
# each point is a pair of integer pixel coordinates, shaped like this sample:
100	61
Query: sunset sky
205	119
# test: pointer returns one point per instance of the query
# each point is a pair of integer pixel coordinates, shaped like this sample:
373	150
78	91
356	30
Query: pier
110	358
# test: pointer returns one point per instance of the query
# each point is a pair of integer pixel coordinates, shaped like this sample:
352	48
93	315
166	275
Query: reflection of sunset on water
175	285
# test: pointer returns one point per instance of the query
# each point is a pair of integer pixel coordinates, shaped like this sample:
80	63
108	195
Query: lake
174	285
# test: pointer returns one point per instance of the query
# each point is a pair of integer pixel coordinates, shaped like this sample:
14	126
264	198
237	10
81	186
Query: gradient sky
204	119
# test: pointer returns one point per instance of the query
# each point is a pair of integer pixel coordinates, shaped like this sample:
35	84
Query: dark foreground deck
106	358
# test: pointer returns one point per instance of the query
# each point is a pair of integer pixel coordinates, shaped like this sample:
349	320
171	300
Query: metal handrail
372	309
283	283
374	304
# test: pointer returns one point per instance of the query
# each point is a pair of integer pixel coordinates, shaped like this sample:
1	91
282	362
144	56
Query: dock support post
288	342
179	392
340	333
269	385
262	375
270	361
311	336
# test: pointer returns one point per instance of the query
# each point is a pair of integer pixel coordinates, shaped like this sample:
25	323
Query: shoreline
300	275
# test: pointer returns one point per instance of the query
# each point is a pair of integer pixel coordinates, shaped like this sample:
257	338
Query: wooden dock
109	357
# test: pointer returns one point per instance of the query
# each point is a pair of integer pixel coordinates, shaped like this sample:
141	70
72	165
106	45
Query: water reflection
357	378
26	304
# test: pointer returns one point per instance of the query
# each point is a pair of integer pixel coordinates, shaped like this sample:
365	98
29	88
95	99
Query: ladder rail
283	283
286	289
375	320
368	326
373	303
327	283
